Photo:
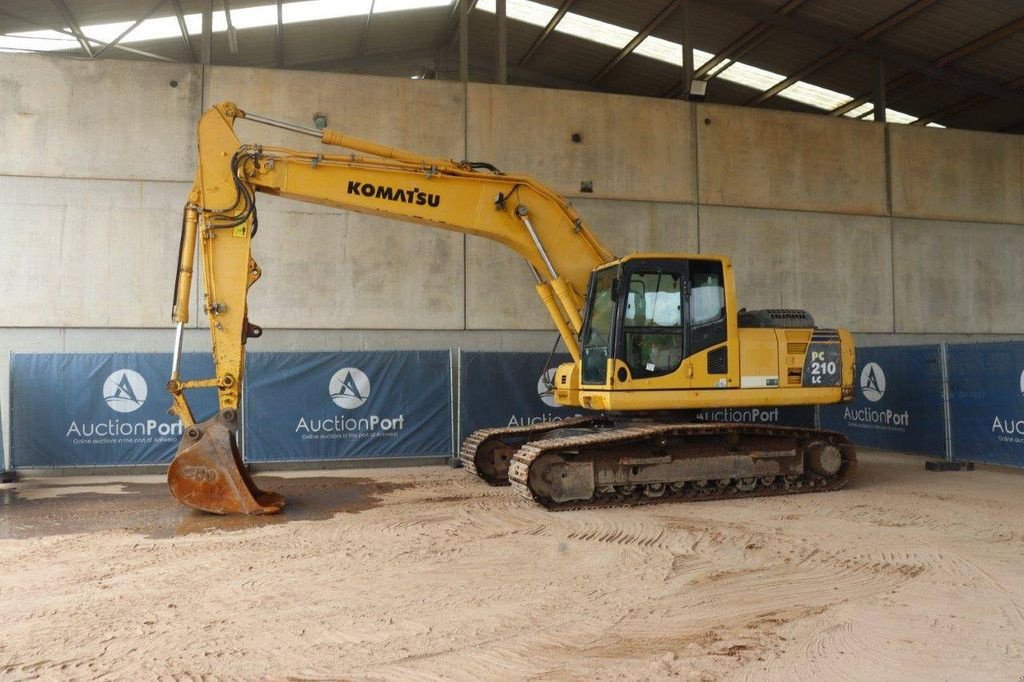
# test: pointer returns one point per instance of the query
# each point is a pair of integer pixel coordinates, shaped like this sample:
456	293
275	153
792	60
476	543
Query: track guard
208	473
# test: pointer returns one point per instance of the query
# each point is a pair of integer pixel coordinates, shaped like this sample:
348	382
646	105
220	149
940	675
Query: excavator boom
221	218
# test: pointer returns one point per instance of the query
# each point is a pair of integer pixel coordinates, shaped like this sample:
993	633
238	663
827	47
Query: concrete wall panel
426	117
500	289
957	174
958	277
325	268
107	119
631	147
773	159
836	267
82	253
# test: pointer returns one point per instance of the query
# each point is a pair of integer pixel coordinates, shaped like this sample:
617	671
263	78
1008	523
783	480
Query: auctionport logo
872	386
872	382
125	390
349	387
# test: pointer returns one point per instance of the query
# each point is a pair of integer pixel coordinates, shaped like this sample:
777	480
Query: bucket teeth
208	473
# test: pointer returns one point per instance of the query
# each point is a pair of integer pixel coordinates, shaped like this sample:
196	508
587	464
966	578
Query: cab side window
707	305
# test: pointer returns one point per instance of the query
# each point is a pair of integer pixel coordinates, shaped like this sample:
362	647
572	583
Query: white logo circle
546	388
872	382
1022	383
350	387
125	390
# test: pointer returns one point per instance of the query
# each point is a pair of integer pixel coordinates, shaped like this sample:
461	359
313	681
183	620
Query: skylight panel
161	28
893	116
750	76
525	11
814	95
597	31
575	25
670	52
860	111
382	6
37	41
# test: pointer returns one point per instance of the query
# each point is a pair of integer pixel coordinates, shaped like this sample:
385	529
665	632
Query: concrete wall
903	234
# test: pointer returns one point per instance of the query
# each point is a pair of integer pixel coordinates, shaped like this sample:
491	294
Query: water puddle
149	509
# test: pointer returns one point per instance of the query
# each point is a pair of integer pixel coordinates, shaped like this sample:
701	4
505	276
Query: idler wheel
823	458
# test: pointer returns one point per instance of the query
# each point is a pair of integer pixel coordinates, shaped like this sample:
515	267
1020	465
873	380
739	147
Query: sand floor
427	573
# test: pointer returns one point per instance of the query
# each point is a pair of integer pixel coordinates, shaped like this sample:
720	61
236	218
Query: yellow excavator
654	337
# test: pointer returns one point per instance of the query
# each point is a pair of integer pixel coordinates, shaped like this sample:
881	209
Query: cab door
707	325
651	338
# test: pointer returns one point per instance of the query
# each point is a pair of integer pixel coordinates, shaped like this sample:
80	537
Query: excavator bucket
208	473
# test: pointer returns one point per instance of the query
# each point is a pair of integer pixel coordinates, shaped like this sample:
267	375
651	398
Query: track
600	464
487	452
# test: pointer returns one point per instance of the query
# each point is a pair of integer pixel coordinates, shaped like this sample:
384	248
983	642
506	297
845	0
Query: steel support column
279	36
501	41
463	40
687	47
880	93
206	39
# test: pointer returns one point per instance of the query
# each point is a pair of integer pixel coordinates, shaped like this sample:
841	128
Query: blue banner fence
957	401
507	389
348	405
899	402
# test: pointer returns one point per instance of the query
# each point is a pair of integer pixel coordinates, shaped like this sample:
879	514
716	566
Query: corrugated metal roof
398	43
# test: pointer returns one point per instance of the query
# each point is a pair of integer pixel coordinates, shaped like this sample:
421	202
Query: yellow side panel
759	358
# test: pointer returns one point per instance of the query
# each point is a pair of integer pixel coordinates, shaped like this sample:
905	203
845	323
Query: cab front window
596	337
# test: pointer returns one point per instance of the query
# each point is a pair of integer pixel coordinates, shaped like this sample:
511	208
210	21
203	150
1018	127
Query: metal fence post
455	365
945	401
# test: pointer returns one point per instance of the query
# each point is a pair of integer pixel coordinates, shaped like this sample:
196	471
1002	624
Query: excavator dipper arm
220	218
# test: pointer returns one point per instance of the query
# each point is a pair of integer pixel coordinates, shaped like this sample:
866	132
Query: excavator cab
662	332
645	315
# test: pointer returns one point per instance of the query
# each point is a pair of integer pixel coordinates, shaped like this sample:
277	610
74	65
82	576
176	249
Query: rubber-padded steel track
635	437
477	442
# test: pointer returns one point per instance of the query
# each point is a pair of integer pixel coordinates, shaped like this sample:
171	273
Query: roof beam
760	33
953	76
640	37
964	104
559	13
124	48
366	28
943	61
746	42
984	41
65	12
823	61
184	29
147	15
451	26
